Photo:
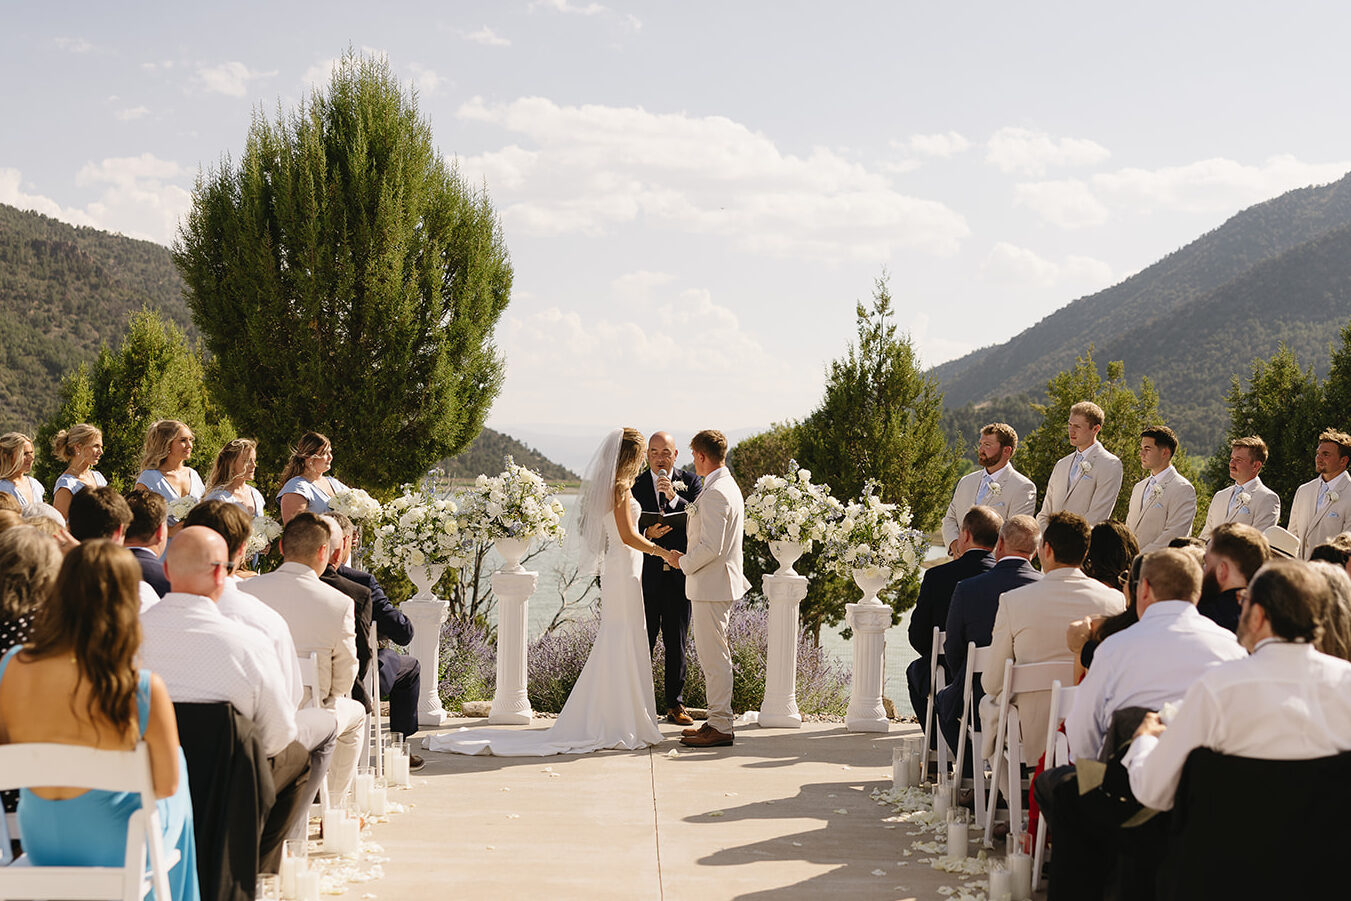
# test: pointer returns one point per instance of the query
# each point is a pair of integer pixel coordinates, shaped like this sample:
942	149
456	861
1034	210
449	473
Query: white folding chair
937	681
377	759
977	661
309	677
37	763
1057	754
1019	679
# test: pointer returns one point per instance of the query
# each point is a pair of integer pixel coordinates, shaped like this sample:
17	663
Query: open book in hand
675	519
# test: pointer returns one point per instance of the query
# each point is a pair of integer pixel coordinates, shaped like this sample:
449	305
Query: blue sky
695	194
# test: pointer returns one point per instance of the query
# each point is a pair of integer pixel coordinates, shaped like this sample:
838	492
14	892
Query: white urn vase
512	551
787	553
871	582
424	579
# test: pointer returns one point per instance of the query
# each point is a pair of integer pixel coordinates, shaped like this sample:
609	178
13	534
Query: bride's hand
673	558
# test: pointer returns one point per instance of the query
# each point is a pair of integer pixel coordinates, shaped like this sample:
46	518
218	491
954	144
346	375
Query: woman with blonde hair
230	476
304	483
16	461
80	447
612	704
77	684
164	469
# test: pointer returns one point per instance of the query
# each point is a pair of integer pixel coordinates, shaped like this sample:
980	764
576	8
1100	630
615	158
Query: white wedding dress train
613	704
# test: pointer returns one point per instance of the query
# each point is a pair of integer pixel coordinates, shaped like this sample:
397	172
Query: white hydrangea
356	505
265	530
873	537
780	507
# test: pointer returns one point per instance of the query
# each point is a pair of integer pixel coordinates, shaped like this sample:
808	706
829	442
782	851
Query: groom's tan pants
710	620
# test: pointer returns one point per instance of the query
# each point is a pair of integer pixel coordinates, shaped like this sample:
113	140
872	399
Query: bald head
337	542
661	452
196	561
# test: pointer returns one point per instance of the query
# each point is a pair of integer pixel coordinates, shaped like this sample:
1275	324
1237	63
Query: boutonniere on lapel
996	489
678	485
1085	468
1155	494
1333	497
1244	499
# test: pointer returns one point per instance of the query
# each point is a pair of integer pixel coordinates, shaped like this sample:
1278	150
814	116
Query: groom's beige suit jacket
1093	494
1262	511
1016	495
1166	515
712	561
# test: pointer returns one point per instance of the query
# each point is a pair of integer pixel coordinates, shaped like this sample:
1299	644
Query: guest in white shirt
322	621
1163	504
1247	501
996	484
1154	661
1287	701
103	513
1322	506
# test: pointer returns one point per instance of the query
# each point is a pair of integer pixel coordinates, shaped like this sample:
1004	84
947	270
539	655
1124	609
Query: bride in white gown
613	704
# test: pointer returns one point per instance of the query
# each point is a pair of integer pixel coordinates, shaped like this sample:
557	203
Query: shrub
556	660
468	665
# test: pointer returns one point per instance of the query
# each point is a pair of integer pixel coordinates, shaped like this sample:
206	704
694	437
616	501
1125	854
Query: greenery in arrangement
790	508
347	279
153	374
874	538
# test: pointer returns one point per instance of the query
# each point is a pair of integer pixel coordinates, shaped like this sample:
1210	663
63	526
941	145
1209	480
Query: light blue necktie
1322	495
983	490
1233	498
1074	467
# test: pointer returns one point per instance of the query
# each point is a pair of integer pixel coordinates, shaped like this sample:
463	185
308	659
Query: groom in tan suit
713	581
1087	481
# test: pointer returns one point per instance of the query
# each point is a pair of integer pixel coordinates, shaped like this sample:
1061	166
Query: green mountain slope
484	456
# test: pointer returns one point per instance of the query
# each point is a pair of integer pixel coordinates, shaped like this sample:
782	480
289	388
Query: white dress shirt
1286	701
1147	665
203	656
148	596
243	607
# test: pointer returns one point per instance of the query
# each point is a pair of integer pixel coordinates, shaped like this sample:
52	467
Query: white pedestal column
511	703
427	613
779	709
870	623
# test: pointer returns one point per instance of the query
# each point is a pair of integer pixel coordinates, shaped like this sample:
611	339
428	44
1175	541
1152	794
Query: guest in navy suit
975	542
147	535
971	616
664	601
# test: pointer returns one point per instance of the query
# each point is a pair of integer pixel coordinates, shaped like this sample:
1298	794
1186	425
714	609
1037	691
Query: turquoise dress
318	501
90	830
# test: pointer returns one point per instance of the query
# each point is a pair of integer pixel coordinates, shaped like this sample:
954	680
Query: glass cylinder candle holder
942	796
267	887
959	819
1019	860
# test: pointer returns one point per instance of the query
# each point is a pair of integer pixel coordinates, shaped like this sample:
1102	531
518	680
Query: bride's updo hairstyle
311	444
158	438
67	441
631	447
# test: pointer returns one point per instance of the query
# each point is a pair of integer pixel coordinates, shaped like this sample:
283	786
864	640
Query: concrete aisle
783	814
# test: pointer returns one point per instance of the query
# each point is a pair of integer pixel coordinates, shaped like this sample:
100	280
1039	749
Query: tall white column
870	622
511	703
779	709
427	613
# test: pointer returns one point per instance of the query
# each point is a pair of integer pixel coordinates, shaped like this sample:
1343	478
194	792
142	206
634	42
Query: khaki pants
710	619
351	742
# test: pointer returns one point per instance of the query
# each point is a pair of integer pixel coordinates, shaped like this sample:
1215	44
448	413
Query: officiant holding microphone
664	492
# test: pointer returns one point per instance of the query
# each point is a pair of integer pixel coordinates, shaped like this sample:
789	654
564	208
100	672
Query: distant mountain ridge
1277	271
485	456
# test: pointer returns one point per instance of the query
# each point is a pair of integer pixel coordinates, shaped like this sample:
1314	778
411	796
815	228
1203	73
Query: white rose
416	557
752	528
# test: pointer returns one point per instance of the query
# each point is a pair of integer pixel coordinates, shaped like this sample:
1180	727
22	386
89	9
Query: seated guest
10	503
1084	635
1336	550
305	483
1234	554
231	473
1286	701
972	612
164	464
80	448
1031	622
1336	617
322	621
360	596
103	513
29	562
16	462
202	656
1111	548
9	519
975	546
77	683
400	674
147	535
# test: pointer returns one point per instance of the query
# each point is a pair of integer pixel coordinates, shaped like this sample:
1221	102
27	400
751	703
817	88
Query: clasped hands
671	557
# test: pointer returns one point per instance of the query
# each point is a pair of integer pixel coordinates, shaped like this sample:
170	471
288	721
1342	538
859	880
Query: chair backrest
1037	676
1062	702
309	677
376	758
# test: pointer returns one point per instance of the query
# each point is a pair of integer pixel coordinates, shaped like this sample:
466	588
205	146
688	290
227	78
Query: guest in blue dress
230	476
304	485
80	446
16	460
164	469
76	683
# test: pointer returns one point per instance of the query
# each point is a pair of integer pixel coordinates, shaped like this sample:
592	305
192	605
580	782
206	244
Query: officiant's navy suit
664	601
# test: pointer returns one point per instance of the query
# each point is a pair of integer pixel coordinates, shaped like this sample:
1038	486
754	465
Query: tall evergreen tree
348	280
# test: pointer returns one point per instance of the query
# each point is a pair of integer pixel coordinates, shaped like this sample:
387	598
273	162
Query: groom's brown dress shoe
711	738
677	716
704	728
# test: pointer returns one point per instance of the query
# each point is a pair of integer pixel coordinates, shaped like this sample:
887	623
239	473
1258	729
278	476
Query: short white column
870	623
427	614
511	702
779	709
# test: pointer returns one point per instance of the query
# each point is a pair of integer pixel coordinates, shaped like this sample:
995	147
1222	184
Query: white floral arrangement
516	503
180	507
265	530
874	537
791	508
356	505
418	529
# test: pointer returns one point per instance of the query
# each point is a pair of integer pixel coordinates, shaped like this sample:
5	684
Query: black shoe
415	763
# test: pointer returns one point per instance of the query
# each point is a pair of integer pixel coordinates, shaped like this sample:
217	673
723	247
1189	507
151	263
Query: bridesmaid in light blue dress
80	446
45	696
304	485
16	460
164	469
230	476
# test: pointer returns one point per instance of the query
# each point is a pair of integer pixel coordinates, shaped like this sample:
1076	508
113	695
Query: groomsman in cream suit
1246	501
1163	504
713	580
1322	507
996	485
1087	481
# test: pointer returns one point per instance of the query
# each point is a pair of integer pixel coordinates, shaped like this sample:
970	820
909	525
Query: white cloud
931	349
638	285
229	78
595	167
318	75
140	196
1008	264
131	113
73	45
1068	203
1213	185
564	6
12	192
426	80
944	144
487	37
1028	152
